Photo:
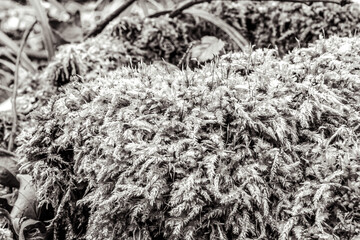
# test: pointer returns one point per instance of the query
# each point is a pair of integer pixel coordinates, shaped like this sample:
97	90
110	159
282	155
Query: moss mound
128	43
285	25
249	147
133	40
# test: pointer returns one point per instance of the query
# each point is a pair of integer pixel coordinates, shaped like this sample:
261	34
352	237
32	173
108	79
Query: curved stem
16	80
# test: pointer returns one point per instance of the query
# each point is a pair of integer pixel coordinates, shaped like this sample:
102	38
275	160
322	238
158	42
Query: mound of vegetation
285	25
129	43
251	146
135	39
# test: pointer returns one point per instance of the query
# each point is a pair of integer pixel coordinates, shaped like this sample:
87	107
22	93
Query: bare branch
187	5
191	3
98	29
179	10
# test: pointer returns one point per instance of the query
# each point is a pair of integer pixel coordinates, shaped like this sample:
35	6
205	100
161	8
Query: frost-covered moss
250	146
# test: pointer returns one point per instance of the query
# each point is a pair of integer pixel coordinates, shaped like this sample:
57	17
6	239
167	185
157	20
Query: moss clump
130	42
250	146
285	25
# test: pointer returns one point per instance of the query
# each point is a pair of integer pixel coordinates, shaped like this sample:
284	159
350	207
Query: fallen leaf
26	203
207	48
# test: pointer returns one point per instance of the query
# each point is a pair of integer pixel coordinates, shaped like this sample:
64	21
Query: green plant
250	146
130	42
284	25
135	39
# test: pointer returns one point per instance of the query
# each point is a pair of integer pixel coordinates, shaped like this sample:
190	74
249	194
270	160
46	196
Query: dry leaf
207	49
25	205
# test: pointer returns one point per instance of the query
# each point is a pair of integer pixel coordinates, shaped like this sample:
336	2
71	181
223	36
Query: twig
16	81
158	14
187	5
98	29
179	10
191	3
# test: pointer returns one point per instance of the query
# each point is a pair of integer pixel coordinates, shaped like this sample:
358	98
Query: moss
249	146
283	26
